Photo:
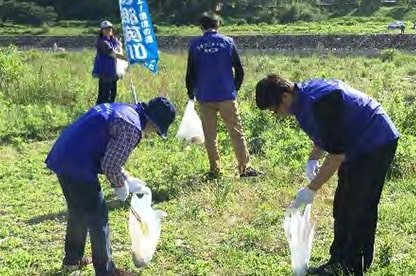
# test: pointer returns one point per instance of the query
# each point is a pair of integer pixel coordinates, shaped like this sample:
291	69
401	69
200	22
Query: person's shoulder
225	37
195	40
319	87
310	86
99	40
319	82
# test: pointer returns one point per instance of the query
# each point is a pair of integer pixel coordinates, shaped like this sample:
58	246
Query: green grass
353	23
227	227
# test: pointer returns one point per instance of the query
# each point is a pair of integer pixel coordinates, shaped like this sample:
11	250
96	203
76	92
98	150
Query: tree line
181	12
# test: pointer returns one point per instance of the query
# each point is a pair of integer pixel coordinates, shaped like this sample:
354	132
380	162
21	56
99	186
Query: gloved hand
122	192
312	169
136	186
305	196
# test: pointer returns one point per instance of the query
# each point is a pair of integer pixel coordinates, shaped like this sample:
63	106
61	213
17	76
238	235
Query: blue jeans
87	212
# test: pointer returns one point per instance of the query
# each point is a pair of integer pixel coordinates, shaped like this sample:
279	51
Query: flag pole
132	88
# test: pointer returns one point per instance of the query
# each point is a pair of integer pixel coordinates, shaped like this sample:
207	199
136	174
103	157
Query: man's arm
316	153
190	76
328	113
124	138
238	67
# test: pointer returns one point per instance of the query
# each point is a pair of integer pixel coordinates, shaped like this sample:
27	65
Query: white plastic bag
145	228
190	128
299	230
121	67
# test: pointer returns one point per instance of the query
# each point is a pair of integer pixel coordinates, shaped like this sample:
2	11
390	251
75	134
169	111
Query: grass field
227	227
348	24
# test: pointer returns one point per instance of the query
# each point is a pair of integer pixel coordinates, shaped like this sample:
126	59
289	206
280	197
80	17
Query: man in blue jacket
360	140
100	142
210	78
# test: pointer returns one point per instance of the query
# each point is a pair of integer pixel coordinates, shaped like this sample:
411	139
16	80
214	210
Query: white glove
312	169
136	186
122	192
305	196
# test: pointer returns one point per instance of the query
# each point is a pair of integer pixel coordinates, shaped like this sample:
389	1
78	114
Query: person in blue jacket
214	75
100	142
109	48
360	140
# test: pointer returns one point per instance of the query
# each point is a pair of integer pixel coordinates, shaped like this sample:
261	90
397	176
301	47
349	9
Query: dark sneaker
329	269
211	175
250	172
76	266
119	272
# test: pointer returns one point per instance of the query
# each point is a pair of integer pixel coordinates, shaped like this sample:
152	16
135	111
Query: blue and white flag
140	41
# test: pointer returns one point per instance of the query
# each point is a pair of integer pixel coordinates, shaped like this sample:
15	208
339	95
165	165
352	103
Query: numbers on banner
137	51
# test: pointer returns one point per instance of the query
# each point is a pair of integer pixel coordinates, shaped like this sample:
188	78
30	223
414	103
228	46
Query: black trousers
107	90
360	183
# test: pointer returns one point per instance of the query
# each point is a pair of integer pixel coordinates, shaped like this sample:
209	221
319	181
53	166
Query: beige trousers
229	113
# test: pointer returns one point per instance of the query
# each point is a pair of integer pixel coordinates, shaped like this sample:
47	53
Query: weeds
228	227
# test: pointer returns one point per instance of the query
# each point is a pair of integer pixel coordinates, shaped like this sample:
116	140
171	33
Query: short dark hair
269	91
209	20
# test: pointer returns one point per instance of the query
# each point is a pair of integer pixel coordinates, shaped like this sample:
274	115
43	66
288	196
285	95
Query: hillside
285	21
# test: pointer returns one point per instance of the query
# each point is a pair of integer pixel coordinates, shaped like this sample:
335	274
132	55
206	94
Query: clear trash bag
299	231
121	67
190	128
145	228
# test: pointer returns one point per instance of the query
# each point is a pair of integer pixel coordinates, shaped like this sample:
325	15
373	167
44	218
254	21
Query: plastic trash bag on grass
299	231
121	67
145	228
190	128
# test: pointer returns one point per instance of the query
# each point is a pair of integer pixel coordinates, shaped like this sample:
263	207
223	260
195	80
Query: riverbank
345	42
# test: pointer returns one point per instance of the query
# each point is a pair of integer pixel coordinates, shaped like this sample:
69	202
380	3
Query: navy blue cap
161	113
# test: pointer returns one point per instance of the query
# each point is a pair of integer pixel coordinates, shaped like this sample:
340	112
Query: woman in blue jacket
360	140
108	50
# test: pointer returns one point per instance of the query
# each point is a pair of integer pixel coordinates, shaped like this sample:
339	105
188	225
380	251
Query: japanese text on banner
140	41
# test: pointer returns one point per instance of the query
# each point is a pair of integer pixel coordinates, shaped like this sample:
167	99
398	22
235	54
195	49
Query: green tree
27	13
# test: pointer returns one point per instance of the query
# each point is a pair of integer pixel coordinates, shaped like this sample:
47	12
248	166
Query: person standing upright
108	50
211	80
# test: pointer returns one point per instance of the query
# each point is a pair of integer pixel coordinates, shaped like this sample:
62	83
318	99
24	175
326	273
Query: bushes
300	12
27	13
11	68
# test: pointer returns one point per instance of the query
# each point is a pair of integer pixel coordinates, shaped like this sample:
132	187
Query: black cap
161	113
